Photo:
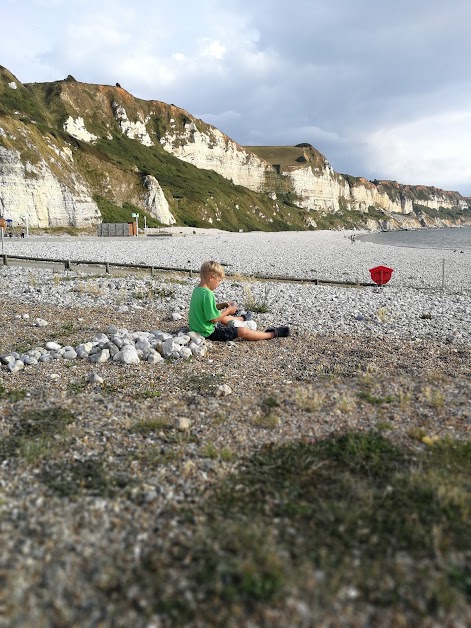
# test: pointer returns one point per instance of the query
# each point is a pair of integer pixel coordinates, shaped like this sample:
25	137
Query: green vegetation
20	102
343	219
113	213
36	434
150	426
196	195
367	396
210	450
17	394
290	155
452	213
352	521
204	384
259	306
69	479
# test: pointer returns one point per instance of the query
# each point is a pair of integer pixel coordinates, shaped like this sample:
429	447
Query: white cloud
212	48
220	120
432	150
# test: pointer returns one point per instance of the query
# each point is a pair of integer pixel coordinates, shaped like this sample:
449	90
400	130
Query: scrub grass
36	434
351	521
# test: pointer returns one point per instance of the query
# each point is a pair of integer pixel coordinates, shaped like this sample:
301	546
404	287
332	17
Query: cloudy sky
381	87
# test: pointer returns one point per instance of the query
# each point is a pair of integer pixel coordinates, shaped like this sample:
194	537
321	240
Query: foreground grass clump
36	434
353	522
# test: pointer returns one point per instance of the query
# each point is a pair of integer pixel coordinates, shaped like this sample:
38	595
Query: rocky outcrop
156	202
135	130
77	129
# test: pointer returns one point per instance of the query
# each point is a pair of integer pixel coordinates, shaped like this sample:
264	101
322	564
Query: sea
454	238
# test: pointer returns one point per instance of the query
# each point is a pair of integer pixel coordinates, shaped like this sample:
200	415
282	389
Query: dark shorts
223	333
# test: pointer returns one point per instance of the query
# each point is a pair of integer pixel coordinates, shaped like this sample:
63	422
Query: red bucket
381	274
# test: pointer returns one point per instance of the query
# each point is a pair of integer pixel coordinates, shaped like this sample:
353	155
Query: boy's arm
228	311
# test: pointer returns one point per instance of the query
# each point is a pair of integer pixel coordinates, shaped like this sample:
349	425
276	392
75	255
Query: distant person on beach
206	319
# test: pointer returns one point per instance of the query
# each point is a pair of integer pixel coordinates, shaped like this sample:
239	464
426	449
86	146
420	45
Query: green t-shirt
202	311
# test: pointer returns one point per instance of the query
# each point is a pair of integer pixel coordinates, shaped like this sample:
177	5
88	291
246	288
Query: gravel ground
310	254
82	506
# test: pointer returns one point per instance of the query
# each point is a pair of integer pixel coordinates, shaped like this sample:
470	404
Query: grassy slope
195	195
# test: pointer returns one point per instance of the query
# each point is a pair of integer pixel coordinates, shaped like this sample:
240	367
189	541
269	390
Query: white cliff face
34	195
315	191
361	197
77	129
364	196
156	202
215	151
134	130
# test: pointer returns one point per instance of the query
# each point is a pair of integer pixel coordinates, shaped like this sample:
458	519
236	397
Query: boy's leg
250	334
227	319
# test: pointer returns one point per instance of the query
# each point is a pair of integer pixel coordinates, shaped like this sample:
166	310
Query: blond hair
211	268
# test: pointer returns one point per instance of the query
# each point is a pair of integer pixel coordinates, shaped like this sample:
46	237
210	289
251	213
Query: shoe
280	332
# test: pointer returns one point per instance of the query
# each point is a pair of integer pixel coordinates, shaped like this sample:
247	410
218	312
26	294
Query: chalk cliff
71	152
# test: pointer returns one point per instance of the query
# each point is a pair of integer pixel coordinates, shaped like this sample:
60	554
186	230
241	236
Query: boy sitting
205	318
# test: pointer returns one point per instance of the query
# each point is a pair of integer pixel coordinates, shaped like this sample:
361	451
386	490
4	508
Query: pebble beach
88	506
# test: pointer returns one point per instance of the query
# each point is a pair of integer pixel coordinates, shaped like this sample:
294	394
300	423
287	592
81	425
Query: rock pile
118	345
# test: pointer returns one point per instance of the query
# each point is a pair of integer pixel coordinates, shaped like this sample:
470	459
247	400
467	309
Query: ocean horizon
451	238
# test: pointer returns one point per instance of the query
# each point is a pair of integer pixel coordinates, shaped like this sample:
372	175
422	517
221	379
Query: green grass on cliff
196	195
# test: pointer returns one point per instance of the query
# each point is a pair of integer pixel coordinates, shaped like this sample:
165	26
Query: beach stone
94	378
101	338
112	348
176	316
103	355
29	360
69	353
199	351
46	358
53	346
118	341
195	337
182	340
7	358
154	357
39	322
16	366
168	347
223	390
182	424
185	352
127	355
143	345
